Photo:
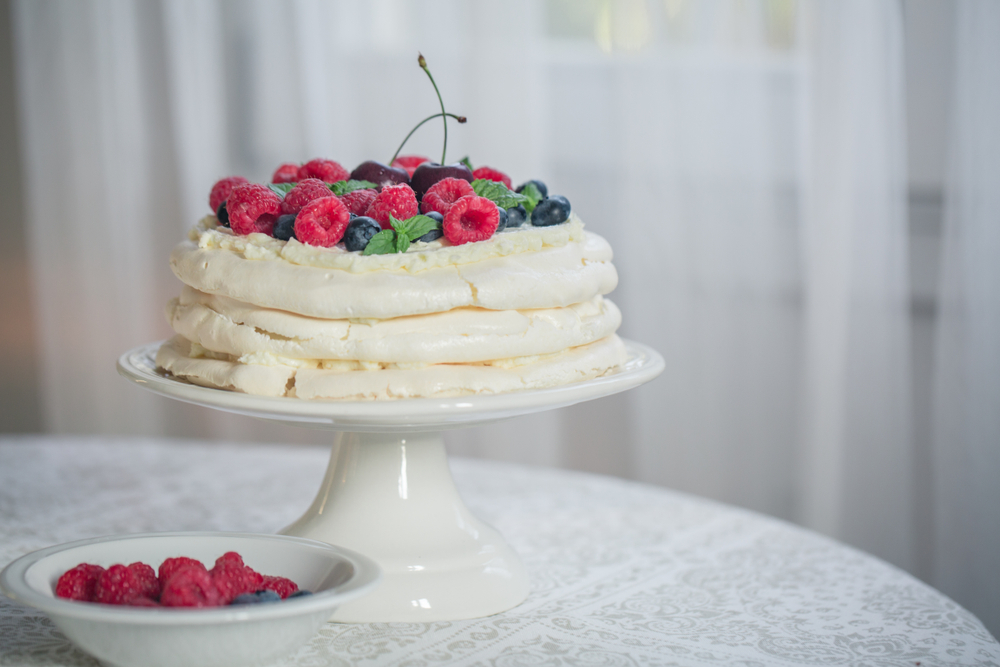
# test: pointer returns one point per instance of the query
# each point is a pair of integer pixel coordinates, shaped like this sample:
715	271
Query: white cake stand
388	492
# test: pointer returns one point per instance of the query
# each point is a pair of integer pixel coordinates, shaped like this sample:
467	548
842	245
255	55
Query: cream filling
208	235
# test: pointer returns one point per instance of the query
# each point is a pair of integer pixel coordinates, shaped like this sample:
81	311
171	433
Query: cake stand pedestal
388	492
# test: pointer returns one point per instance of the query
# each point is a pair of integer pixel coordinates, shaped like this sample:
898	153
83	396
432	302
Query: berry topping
117	585
79	583
440	196
259	597
171	565
359	232
231	577
253	208
552	210
222	189
492	175
516	217
284	228
190	586
379	174
397	200
286	173
410	162
222	215
429	173
542	188
435	233
471	219
322	222
145	577
502	225
304	192
280	585
325	170
357	202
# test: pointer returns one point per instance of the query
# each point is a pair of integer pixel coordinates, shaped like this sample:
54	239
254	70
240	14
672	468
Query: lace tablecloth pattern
622	573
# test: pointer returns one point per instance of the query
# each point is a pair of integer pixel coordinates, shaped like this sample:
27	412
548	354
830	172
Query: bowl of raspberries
192	599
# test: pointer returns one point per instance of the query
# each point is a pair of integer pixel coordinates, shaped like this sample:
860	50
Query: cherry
379	174
430	173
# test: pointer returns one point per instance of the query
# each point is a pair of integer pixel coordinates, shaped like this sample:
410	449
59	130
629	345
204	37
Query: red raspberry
492	175
302	194
190	586
322	223
471	219
409	162
222	189
145	576
324	170
286	173
79	583
231	577
280	585
357	202
171	565
117	585
398	200
253	208
440	196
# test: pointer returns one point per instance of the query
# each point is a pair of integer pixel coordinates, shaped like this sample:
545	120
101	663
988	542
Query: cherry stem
460	119
423	66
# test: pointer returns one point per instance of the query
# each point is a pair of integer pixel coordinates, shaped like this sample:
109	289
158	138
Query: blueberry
538	184
301	593
284	228
552	210
359	232
223	215
516	217
502	225
434	234
260	597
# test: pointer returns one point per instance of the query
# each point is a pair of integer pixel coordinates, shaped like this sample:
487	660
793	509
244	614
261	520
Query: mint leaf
382	243
343	187
402	242
498	193
281	189
414	227
467	162
533	195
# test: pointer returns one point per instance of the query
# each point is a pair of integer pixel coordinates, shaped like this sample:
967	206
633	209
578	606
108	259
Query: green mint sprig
531	192
467	162
281	189
403	232
343	187
498	193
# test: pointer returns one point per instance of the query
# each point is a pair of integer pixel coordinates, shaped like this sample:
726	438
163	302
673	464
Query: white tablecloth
622	573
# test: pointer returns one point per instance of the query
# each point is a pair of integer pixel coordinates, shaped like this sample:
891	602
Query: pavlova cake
414	279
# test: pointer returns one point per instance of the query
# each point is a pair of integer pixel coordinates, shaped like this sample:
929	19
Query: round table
621	573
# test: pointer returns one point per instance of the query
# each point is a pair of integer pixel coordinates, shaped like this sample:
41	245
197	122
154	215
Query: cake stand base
392	498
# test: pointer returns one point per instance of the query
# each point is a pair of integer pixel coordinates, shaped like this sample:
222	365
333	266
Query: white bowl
163	637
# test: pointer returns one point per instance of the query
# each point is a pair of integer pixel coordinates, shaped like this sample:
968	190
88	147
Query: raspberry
79	583
231	577
440	196
117	585
398	200
280	585
171	565
145	576
302	194
190	586
471	219
322	222
357	202
253	208
409	162
325	170
286	173
222	189
492	175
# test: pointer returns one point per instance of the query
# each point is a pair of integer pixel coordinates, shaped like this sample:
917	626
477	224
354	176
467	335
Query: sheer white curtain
745	159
